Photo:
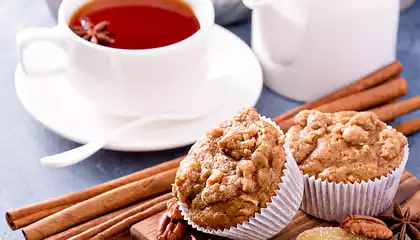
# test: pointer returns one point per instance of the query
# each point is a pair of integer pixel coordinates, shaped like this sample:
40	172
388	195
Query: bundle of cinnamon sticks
111	208
377	92
101	211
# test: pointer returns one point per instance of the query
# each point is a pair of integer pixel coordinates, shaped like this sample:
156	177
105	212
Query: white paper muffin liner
278	213
334	201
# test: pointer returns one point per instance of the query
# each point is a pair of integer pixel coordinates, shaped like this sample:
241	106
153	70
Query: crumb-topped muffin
345	146
232	171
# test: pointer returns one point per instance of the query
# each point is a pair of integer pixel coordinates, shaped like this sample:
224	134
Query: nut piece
171	230
172	226
173	210
177	232
367	226
163	224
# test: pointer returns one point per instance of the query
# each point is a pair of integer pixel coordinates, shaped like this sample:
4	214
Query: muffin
233	175
352	162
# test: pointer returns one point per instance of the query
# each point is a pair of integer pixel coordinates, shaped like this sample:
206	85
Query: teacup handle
27	37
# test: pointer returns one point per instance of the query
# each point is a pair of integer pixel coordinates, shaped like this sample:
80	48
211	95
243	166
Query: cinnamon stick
390	111
89	224
379	76
126	223
121	219
408	127
85	194
383	93
25	221
363	100
101	204
390	102
395	100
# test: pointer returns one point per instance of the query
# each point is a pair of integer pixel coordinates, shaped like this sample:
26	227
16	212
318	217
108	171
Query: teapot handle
279	28
253	4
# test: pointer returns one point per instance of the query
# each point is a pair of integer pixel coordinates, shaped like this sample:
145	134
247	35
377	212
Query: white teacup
128	82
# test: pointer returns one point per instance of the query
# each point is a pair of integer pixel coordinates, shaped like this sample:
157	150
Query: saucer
54	103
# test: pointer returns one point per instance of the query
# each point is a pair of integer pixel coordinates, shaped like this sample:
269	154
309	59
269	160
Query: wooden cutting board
408	193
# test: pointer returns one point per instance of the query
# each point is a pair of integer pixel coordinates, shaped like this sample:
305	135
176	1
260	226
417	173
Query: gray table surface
23	140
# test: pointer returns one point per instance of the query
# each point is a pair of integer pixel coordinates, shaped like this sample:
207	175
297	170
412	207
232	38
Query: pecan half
173	210
367	226
163	223
177	232
172	226
174	230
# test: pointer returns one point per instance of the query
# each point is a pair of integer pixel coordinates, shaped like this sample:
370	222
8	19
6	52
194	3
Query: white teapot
308	48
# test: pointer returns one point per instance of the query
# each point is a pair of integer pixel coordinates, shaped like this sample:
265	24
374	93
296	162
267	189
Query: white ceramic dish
55	104
126	82
308	49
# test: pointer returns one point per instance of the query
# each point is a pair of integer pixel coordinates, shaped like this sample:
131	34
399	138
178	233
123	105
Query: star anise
402	223
97	34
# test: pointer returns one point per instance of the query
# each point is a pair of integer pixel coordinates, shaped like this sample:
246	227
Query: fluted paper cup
278	213
333	201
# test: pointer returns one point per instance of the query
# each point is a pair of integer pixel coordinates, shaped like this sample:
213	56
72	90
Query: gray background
23	140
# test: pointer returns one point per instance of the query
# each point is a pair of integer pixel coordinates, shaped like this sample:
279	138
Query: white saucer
54	103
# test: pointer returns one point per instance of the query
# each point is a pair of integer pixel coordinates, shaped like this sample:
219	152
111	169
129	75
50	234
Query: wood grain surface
408	193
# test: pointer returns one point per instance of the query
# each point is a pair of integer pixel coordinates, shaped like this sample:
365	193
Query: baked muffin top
232	171
345	146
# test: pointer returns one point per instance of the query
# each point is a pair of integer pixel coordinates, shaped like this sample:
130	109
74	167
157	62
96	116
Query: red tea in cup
135	24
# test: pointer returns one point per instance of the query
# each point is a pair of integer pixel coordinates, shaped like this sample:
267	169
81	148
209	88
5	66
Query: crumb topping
232	171
345	146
